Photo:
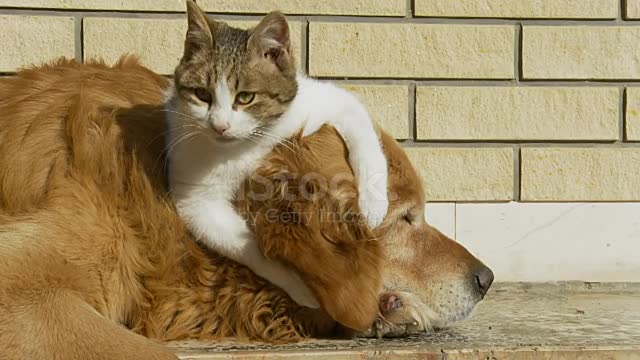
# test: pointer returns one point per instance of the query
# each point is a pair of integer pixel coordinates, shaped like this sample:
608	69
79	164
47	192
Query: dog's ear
320	236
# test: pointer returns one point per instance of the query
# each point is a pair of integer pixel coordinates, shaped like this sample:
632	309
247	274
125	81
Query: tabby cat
237	95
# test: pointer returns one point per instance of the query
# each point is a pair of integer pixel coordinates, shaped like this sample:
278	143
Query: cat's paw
373	206
310	127
305	298
302	294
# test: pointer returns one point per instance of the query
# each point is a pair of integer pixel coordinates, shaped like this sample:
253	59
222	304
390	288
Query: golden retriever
96	264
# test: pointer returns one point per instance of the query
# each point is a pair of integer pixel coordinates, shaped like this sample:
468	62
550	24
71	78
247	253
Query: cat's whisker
203	185
288	144
180	113
252	139
281	140
164	133
257	139
284	142
185	138
171	145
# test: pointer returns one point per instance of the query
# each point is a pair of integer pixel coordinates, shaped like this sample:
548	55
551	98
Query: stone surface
580	174
632	10
581	52
567	9
464	174
142	5
29	40
411	50
158	42
442	216
387	104
515	321
315	7
633	114
553	241
517	113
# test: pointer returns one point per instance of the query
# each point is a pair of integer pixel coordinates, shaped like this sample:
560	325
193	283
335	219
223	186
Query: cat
236	96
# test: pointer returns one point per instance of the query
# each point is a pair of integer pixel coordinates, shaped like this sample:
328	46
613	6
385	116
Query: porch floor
515	321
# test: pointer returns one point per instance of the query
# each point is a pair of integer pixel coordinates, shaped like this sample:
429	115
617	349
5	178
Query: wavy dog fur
95	262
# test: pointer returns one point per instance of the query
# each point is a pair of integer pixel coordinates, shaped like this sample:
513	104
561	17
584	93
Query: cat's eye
203	95
245	98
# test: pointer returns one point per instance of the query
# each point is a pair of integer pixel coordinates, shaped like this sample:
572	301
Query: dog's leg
57	324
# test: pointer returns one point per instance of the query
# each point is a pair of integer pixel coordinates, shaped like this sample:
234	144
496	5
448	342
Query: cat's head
234	82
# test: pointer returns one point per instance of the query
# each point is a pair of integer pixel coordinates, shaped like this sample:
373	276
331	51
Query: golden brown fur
90	245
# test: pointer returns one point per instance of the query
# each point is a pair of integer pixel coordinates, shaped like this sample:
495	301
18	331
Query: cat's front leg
217	225
348	115
369	165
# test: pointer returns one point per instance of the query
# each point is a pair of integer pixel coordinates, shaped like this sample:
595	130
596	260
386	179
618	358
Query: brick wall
495	100
525	100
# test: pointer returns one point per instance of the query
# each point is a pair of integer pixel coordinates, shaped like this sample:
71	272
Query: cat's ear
199	35
270	40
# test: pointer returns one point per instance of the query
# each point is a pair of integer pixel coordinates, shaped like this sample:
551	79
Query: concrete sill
516	321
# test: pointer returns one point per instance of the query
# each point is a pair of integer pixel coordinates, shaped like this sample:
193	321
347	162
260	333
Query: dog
96	264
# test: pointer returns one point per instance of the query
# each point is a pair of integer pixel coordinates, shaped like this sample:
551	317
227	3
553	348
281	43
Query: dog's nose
483	278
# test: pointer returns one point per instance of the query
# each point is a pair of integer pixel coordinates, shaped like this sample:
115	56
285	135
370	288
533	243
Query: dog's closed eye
409	218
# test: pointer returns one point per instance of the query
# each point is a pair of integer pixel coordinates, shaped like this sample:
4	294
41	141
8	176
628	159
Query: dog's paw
395	318
373	207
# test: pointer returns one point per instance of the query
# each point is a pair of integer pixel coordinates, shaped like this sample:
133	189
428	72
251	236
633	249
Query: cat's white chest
227	176
212	174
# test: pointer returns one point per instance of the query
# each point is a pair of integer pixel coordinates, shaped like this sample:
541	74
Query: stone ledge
572	320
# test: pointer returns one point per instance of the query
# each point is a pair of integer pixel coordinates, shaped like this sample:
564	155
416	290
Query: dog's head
431	281
405	270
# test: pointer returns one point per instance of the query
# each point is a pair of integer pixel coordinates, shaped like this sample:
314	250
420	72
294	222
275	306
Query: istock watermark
312	186
303	217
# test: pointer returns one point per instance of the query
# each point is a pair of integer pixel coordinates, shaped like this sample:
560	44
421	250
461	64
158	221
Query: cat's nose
220	128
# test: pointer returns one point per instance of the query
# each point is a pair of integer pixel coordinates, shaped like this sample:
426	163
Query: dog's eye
245	98
203	95
408	218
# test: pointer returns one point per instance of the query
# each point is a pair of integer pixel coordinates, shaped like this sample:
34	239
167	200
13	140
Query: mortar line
455	221
304	44
413	135
524	202
467	82
517	172
400	19
78	39
622	10
85	13
66	10
480	82
623	114
518	53
520	144
411	9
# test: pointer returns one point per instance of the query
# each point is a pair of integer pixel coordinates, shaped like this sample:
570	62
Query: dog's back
62	162
50	115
